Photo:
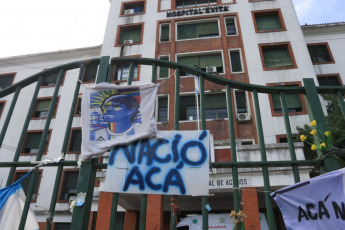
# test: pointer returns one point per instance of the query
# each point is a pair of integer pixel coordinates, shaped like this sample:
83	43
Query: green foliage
308	153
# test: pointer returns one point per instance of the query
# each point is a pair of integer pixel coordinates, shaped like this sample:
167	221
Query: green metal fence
87	175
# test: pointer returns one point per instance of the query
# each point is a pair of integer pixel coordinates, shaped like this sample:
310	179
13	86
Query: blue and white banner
178	164
315	204
12	201
116	115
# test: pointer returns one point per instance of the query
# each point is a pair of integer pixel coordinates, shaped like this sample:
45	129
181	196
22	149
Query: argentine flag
12	201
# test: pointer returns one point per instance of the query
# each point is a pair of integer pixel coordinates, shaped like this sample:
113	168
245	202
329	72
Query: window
50	80
62	226
207	62
129	35
26	182
163	71
203	29
329	80
283	138
32	142
294	103
192	3
266	21
320	53
90	73
42	108
77	111
241	101
74	145
230	26
122	72
2	106
6	80
162	109
277	56
165	33
68	186
235	60
215	107
133	8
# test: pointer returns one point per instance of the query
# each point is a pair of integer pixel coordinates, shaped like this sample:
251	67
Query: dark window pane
50	80
135	8
75	142
164	33
132	34
230	26
122	72
6	80
319	53
42	108
163	71
69	185
197	30
241	102
62	226
26	182
276	57
235	58
328	81
293	103
162	109
268	22
90	73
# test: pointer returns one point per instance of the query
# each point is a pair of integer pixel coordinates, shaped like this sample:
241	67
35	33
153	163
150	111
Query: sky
35	26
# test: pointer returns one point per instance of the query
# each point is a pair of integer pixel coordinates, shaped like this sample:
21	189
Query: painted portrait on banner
114	115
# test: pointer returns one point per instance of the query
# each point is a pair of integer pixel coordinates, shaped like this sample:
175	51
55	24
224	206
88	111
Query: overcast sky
34	26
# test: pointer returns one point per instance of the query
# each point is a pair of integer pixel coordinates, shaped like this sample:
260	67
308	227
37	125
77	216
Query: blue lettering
149	181
174	146
154	151
145	150
131	179
169	181
129	154
191	144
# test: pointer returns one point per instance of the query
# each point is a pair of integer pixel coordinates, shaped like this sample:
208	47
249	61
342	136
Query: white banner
178	164
116	115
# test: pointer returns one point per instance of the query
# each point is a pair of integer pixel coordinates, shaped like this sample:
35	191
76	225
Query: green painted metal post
50	216
176	127
289	137
203	127
269	207
153	78
103	69
130	74
86	181
9	114
113	215
316	113
143	207
23	133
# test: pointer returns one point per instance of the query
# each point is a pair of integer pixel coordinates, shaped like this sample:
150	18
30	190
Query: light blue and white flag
315	204
12	200
196	85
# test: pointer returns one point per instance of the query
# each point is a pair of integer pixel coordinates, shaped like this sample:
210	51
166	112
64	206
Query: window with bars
6	80
203	29
62	226
191	3
2	105
50	80
202	61
230	26
320	53
268	21
77	111
90	73
277	56
130	35
165	33
26	182
293	102
328	80
68	186
215	107
162	115
74	145
236	61
32	142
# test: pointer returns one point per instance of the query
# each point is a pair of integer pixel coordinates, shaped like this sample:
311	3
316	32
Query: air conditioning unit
211	69
241	117
130	11
127	41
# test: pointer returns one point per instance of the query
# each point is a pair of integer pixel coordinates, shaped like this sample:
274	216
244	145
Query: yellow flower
313	123
313	147
323	144
303	137
326	133
313	132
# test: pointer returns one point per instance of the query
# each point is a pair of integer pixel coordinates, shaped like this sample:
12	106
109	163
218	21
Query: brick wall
251	209
131	220
104	210
154	214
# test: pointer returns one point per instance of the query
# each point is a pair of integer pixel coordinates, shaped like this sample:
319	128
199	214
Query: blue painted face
120	108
